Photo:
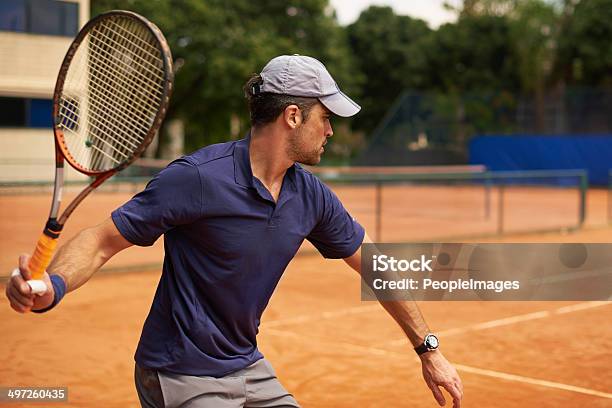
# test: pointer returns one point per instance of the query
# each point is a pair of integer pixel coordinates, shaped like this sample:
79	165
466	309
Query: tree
585	50
534	31
390	57
473	54
218	44
532	35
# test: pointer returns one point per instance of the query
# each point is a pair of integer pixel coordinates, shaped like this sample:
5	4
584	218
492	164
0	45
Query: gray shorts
252	387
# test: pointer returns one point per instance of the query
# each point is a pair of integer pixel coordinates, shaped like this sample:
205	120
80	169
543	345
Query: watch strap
422	349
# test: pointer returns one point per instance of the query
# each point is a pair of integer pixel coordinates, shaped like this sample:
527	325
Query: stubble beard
299	152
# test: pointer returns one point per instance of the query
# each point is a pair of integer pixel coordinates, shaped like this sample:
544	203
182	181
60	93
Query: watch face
431	341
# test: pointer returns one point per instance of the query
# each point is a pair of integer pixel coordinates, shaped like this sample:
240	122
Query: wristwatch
430	343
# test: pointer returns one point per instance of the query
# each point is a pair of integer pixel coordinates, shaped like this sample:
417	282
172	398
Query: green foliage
496	49
218	44
473	54
534	28
585	44
390	56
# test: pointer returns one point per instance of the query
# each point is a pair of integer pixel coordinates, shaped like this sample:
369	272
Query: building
34	37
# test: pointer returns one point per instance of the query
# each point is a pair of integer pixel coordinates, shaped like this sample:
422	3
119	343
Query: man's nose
329	132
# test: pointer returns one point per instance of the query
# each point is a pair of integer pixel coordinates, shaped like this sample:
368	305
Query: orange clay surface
408	213
329	348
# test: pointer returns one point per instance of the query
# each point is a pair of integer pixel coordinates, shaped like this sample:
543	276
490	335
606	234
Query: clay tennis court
329	348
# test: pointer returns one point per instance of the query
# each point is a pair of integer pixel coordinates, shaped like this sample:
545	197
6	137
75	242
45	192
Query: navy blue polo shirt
226	245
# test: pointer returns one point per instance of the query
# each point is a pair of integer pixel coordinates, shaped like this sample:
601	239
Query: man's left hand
438	372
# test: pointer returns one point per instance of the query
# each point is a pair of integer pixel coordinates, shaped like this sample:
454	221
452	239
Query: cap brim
340	104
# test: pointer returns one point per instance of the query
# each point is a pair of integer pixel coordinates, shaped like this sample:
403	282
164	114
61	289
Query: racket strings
92	121
112	93
96	90
131	83
97	125
120	58
146	53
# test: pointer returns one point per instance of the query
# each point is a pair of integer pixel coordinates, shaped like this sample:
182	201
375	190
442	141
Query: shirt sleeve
172	198
336	234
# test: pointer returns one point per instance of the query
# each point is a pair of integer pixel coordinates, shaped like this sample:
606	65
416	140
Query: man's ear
292	116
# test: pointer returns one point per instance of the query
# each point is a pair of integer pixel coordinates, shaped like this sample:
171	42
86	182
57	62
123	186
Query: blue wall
524	152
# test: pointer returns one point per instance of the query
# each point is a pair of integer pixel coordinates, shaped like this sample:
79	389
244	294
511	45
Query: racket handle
42	256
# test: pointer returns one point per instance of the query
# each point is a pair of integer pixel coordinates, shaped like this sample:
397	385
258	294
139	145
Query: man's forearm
405	313
437	371
84	254
77	260
409	318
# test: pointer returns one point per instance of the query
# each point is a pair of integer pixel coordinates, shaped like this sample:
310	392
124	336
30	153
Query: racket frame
53	227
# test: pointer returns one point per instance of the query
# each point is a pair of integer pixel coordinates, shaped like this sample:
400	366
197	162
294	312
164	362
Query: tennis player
233	215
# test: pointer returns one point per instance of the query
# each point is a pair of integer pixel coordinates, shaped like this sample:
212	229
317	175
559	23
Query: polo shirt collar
242	162
242	165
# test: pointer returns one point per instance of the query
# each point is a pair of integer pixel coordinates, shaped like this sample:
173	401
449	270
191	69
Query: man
233	215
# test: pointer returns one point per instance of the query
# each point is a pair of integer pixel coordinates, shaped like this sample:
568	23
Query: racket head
112	92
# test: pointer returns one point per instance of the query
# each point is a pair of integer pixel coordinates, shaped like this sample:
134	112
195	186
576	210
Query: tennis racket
110	98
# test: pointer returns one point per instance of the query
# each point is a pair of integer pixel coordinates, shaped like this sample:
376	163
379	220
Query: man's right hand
19	293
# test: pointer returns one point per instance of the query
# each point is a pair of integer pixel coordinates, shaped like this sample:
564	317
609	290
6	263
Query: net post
584	185
378	211
500	208
487	198
609	198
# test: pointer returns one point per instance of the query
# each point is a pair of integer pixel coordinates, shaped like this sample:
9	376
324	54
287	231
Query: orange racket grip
42	256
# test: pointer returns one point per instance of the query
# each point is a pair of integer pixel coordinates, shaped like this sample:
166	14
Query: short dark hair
264	107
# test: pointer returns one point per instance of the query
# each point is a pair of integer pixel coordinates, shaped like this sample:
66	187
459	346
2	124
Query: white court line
569	276
534	381
510	320
459	367
580	306
479	326
347	346
323	315
442	333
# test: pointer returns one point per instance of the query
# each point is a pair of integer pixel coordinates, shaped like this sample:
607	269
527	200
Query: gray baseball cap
299	75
